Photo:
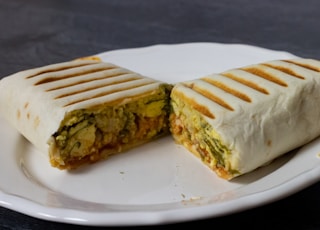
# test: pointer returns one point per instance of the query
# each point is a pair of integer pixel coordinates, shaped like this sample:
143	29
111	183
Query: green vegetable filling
110	128
193	129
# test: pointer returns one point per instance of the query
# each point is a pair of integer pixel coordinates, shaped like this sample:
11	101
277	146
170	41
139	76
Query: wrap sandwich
244	118
81	111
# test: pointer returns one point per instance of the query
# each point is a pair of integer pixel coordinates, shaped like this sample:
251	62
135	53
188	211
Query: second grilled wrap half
241	119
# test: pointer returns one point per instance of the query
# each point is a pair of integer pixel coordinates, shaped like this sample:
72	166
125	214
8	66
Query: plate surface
160	182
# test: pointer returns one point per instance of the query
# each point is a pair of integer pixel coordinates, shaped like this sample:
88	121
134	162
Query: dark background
35	33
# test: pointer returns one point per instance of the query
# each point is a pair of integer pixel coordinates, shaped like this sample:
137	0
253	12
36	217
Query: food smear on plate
244	118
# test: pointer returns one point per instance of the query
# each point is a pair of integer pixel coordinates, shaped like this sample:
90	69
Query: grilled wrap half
244	118
82	111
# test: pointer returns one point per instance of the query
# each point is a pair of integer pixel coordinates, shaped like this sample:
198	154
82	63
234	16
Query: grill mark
260	73
228	89
284	70
246	82
304	65
96	87
93	58
200	108
77	74
56	69
106	93
209	95
89	80
133	98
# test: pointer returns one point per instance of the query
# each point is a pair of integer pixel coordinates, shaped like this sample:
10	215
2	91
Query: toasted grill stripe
120	95
194	104
246	82
108	90
60	67
261	73
209	95
52	78
94	87
228	89
305	65
284	69
92	79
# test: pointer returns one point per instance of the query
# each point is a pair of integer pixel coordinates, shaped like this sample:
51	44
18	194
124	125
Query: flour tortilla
256	113
36	101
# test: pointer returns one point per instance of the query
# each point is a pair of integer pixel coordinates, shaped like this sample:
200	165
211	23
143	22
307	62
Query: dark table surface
40	32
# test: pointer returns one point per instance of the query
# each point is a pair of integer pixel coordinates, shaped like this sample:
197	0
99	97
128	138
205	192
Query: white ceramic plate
160	182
